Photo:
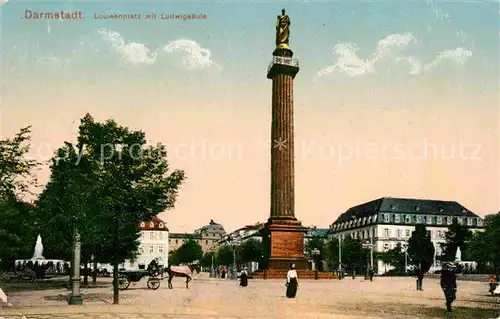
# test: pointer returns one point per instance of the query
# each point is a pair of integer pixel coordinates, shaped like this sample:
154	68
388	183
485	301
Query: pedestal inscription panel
287	244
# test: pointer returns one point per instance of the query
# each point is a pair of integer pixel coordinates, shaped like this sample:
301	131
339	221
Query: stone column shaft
282	150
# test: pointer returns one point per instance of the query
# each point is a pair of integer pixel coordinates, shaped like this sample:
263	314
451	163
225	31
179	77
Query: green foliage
16	169
250	250
318	243
17	227
225	255
354	255
394	257
189	252
483	246
456	236
332	253
207	259
17	232
105	186
420	248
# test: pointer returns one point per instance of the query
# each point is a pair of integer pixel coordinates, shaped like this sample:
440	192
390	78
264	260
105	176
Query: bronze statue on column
283	30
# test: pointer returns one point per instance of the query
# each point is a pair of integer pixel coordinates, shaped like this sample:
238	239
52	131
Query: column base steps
302	273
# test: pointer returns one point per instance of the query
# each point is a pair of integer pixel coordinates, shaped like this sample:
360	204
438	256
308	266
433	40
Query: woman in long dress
292	282
244	277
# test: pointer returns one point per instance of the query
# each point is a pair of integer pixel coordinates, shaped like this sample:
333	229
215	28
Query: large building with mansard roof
386	221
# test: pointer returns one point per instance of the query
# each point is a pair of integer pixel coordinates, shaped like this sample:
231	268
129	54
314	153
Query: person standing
244	277
420	278
292	282
449	284
370	273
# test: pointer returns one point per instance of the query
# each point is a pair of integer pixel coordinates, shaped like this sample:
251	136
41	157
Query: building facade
154	243
207	237
385	222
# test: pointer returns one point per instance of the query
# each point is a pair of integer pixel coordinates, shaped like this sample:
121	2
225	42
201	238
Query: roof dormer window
143	224
417	208
161	225
152	224
393	207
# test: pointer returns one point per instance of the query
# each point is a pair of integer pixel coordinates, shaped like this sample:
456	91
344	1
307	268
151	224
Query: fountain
458	255
38	256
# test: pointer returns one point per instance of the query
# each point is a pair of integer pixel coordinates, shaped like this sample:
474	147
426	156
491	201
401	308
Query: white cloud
458	55
193	55
350	63
133	52
389	49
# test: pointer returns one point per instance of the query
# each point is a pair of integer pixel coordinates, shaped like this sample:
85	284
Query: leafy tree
134	185
17	232
394	257
16	169
17	229
208	258
332	253
250	250
113	164
317	243
420	248
457	235
484	245
173	258
225	255
354	255
189	252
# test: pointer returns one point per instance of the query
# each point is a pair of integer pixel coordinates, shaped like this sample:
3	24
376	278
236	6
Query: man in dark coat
449	283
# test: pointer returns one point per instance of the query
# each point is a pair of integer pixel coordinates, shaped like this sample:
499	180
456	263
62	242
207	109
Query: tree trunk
116	291
94	274
85	272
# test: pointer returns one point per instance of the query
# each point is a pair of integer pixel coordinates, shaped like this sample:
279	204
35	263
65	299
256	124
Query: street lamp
340	256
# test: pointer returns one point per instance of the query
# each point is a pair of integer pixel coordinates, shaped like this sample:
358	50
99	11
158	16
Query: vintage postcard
250	159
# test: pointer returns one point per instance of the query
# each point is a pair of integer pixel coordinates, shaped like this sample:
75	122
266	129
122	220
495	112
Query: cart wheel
153	283
123	282
170	286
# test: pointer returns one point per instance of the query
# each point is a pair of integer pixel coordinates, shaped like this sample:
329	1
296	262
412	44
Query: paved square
215	298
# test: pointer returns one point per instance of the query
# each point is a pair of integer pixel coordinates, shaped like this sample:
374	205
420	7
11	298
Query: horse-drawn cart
125	277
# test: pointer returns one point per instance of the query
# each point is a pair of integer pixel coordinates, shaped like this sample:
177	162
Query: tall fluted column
282	151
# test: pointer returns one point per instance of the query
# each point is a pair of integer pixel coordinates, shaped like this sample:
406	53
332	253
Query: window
439	220
387	247
143	224
408	219
386	232
161	235
206	242
460	221
419	219
450	220
142	234
480	222
151	235
141	250
151	249
176	241
152	225
161	225
160	249
408	233
396	218
429	219
386	218
399	233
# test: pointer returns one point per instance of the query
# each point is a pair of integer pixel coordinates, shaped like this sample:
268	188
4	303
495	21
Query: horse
181	271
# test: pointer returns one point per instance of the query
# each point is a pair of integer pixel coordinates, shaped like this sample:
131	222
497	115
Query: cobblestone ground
212	298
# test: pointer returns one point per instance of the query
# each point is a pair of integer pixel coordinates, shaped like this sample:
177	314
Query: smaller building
206	236
243	234
153	244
